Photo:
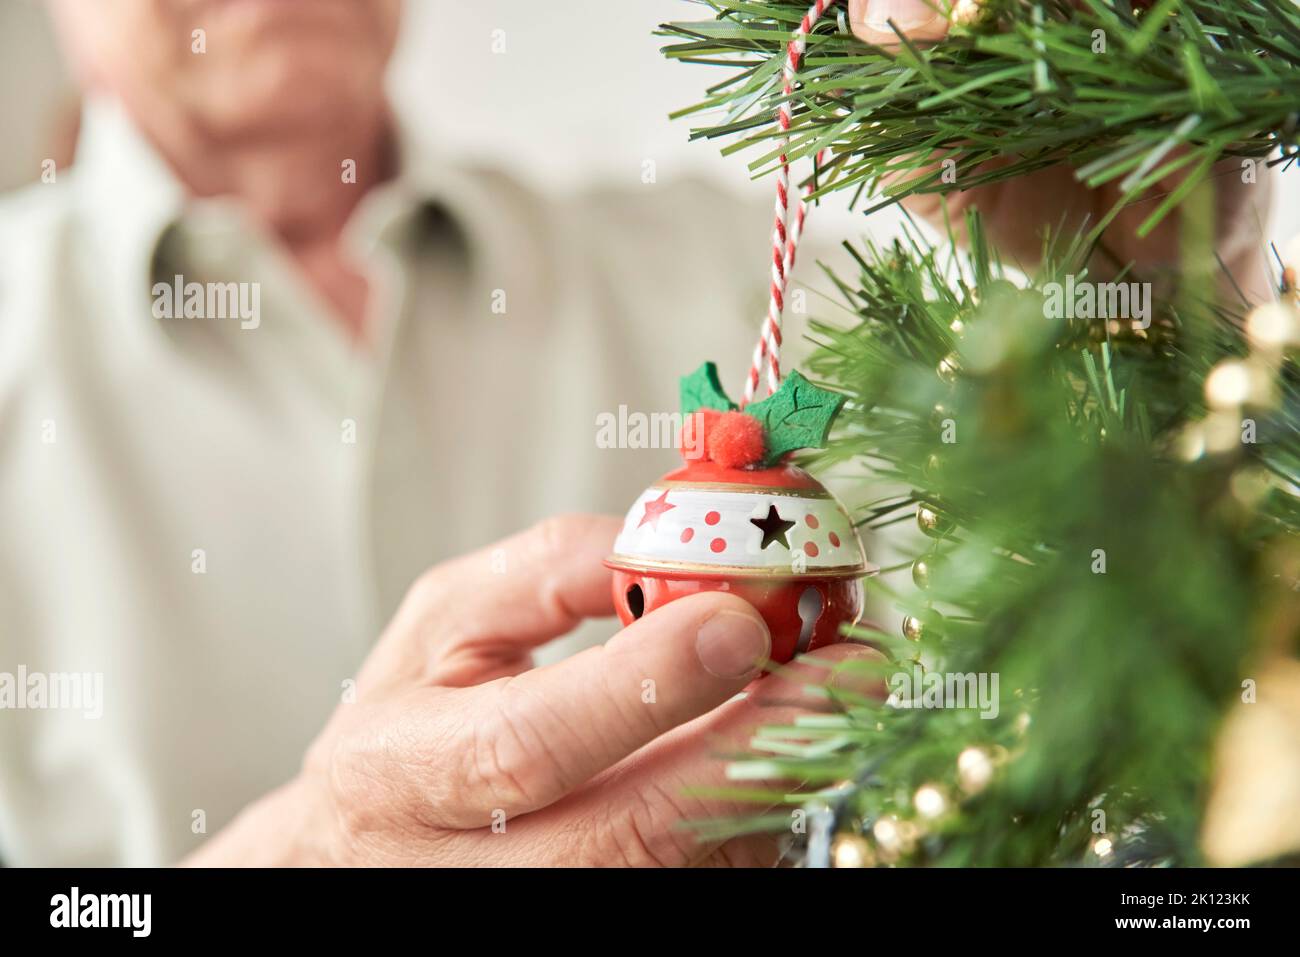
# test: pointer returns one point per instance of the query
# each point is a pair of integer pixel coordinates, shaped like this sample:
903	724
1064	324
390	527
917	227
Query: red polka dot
688	534
835	540
712	519
811	520
811	549
718	544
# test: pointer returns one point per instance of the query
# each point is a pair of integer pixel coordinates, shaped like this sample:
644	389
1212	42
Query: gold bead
852	850
894	838
1103	847
948	368
885	831
921	573
1273	326
971	13
930	521
974	770
912	628
1227	385
1236	382
929	802
1250	815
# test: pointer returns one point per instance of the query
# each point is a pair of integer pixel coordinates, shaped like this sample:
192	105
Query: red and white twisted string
784	240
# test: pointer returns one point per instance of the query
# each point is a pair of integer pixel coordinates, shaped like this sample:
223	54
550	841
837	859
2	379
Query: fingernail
732	644
906	14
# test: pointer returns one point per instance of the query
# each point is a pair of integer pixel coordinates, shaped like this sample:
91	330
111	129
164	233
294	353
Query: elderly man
216	499
266	360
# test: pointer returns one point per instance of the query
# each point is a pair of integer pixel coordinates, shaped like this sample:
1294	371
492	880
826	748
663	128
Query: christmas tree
1102	467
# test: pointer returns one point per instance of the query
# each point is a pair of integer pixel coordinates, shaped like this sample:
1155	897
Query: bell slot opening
811	605
636	601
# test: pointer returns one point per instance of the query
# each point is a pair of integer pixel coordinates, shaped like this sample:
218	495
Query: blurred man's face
234	67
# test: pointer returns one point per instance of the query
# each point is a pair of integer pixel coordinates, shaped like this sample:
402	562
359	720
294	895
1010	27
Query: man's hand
1016	211
456	753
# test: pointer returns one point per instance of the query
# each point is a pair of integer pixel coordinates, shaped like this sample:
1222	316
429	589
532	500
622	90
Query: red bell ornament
739	518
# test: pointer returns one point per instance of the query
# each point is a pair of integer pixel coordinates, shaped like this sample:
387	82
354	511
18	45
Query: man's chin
293	107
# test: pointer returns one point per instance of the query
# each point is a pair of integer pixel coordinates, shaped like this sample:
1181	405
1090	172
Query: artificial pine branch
1090	540
1113	682
1124	94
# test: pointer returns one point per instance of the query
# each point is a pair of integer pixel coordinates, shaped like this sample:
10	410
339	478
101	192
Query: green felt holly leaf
797	416
702	390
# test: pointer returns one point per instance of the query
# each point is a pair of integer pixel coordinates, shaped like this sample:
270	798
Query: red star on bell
655	509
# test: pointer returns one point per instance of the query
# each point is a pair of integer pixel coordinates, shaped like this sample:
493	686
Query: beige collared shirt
218	514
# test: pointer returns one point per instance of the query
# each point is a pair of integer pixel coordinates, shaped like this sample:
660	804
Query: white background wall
557	126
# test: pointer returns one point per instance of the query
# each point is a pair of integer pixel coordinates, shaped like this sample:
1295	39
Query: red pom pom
693	441
736	440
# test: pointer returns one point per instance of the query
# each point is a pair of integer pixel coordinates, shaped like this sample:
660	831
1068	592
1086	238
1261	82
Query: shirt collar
498	224
132	198
135	198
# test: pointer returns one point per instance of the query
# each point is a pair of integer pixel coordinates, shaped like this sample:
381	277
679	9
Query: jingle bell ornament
739	518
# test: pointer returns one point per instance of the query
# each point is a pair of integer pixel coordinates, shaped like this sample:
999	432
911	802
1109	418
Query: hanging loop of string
785	232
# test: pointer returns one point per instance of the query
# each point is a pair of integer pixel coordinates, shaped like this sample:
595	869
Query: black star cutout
773	527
